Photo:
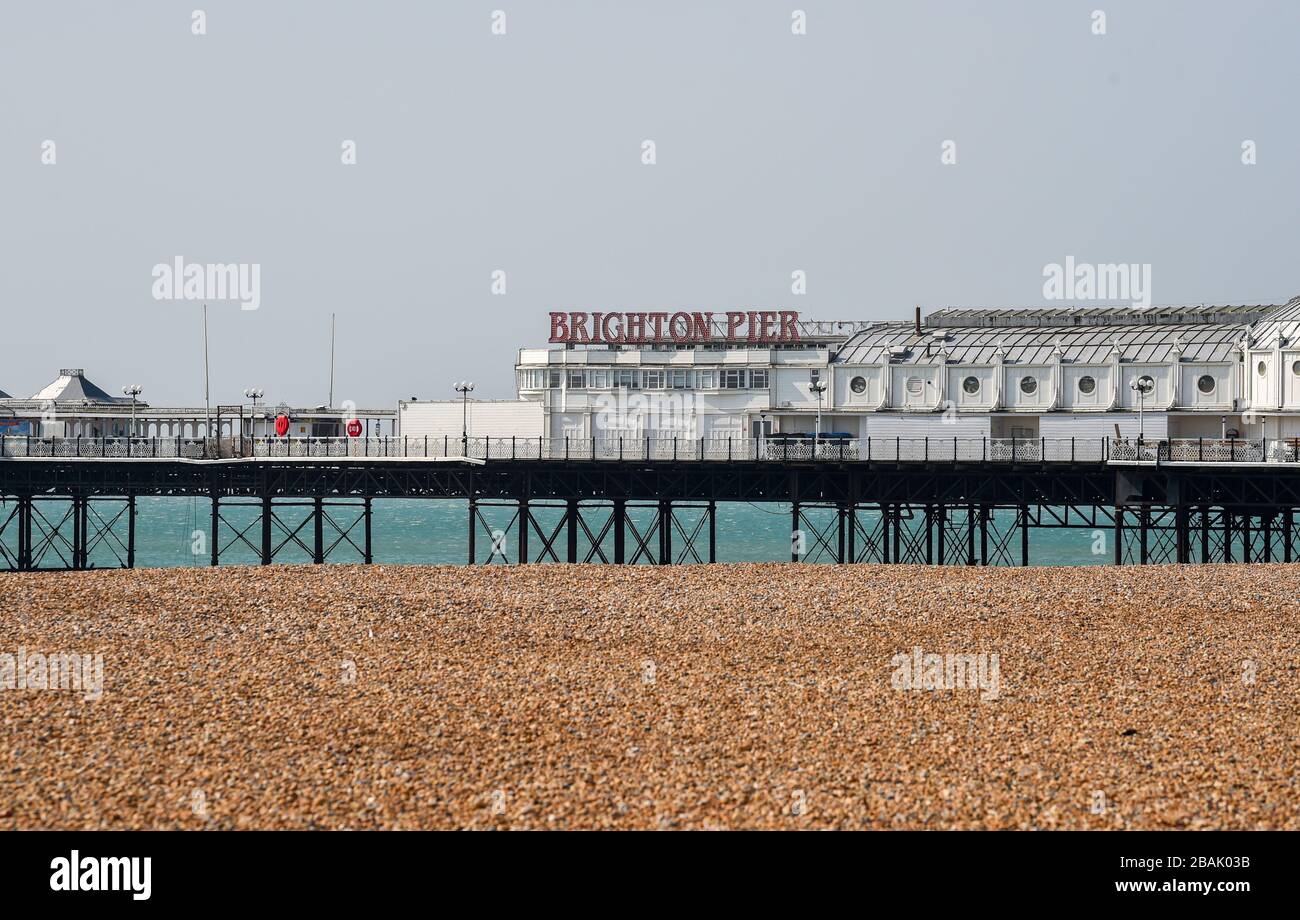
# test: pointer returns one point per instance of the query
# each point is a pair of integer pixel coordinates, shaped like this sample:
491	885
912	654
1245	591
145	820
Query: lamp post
253	393
464	388
1142	386
133	390
818	387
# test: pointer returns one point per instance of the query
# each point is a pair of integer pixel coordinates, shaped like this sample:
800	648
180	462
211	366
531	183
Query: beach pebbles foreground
736	696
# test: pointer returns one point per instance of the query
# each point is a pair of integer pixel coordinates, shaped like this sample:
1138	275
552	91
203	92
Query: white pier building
1086	372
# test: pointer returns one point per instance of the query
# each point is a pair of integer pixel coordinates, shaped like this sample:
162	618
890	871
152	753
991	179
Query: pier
938	501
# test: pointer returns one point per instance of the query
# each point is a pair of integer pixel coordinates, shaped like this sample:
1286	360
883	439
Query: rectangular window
706	380
598	380
733	379
553	379
625	379
577	380
758	380
652	380
679	380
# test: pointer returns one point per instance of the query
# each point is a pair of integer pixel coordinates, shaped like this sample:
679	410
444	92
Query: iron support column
665	534
76	532
365	511
473	513
1024	535
130	530
318	526
85	532
620	531
571	525
713	530
525	517
268	514
216	528
24	533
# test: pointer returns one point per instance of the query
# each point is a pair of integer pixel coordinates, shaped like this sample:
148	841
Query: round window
972	385
1087	385
1261	368
1205	383
1028	385
915	385
1295	368
858	384
1145	384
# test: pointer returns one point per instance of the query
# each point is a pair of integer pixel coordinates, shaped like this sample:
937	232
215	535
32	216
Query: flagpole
207	403
331	402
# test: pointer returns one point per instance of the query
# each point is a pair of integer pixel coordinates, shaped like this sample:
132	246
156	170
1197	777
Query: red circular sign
282	425
354	428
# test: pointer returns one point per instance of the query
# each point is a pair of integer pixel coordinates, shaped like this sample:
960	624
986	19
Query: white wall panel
487	419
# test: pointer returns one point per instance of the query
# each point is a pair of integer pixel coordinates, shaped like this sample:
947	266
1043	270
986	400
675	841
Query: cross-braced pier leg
318	537
78	530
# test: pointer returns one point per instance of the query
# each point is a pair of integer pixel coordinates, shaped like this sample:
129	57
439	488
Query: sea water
178	531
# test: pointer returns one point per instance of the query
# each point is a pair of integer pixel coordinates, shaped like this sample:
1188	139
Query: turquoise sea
175	532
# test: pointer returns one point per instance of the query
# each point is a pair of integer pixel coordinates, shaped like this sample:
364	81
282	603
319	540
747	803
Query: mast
207	403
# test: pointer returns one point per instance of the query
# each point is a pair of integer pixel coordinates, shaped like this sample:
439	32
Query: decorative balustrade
885	450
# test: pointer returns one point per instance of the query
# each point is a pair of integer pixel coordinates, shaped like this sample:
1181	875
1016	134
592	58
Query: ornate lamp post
464	388
133	390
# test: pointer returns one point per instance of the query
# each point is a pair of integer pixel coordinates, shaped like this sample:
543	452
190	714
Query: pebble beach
705	697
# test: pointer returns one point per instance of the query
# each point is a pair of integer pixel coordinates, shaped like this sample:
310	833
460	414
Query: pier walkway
71	503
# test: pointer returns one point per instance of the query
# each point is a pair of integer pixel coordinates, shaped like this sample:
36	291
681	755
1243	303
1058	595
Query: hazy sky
522	153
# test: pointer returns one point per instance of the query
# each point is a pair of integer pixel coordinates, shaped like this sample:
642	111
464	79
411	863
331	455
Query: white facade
481	418
684	393
1052	373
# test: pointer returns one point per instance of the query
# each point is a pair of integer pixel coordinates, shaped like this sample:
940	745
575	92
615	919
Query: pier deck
890	500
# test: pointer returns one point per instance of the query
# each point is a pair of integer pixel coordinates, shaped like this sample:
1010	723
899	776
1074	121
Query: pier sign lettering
674	328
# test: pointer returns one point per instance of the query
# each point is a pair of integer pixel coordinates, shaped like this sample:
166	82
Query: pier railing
883	449
1206	450
108	448
696	449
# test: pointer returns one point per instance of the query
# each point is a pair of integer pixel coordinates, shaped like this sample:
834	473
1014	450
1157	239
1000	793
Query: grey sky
522	153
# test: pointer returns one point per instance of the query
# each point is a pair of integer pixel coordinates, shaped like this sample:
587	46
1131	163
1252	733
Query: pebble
725	696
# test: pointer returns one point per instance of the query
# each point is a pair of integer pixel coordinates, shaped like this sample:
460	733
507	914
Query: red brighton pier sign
674	328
